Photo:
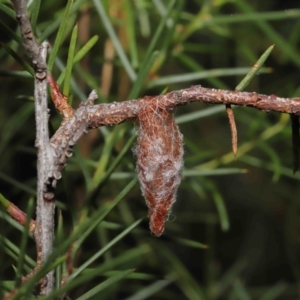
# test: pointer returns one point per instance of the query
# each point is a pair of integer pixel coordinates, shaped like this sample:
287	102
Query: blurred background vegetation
234	230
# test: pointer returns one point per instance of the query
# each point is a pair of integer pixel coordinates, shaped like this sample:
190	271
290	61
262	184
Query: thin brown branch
60	101
16	213
89	116
265	103
20	216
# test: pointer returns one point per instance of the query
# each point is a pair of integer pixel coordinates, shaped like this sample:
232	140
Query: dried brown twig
234	136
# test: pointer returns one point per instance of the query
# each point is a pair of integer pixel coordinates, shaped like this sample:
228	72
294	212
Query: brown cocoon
159	152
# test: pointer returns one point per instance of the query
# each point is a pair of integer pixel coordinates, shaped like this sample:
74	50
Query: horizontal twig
90	116
262	102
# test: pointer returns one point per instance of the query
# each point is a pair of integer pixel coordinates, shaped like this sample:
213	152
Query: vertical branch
44	230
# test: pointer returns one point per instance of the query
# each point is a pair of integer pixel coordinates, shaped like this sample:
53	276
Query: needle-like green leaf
36	5
255	69
70	62
60	35
16	56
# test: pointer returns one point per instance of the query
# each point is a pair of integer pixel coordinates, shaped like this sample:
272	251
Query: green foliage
235	235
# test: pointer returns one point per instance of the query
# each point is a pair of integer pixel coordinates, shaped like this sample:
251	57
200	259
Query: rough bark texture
44	230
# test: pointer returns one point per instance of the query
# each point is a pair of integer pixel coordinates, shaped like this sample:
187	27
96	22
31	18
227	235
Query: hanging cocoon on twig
159	152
